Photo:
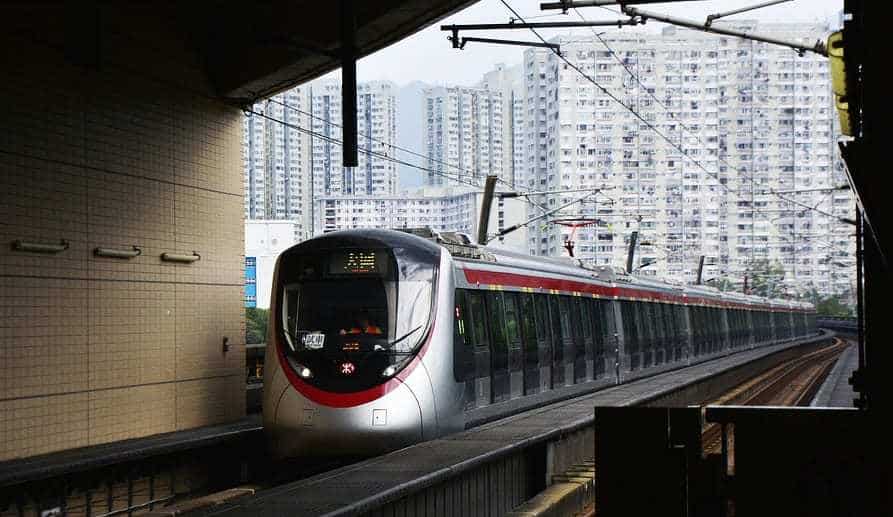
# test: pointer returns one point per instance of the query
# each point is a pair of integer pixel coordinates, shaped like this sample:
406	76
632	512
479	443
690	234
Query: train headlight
389	371
303	371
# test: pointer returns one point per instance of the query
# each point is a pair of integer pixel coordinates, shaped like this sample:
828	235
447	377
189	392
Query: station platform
837	391
85	459
364	486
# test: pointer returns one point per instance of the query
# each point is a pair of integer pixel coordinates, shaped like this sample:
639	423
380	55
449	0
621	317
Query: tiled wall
129	150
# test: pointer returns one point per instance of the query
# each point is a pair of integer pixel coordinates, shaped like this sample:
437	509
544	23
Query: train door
499	371
578	344
479	335
544	340
515	354
557	343
463	349
530	349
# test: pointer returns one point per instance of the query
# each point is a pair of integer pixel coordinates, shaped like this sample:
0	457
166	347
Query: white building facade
439	208
746	177
277	160
375	175
464	134
509	82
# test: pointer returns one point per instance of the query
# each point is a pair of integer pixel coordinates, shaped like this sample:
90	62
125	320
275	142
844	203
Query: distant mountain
411	133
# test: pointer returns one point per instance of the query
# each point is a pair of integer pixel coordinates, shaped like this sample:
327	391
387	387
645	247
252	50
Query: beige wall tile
43	337
40	425
131	333
95	349
201	402
120	414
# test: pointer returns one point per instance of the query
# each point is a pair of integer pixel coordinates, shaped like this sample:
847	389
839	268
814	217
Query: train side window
630	328
606	321
513	330
496	315
529	321
542	317
660	325
564	311
586	319
577	322
643	318
557	322
477	314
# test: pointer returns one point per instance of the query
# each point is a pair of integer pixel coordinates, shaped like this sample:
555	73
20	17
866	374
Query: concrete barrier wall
110	137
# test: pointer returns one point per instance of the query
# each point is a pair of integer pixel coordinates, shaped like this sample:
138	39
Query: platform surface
836	391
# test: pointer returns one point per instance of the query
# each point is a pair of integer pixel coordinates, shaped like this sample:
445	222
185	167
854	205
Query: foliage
766	279
256	325
833	305
724	284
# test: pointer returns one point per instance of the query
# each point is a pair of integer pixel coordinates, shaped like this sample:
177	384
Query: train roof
470	256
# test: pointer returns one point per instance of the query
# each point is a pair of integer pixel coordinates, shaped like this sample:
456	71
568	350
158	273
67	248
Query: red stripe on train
478	276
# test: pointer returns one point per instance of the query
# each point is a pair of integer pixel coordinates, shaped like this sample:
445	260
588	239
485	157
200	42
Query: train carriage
386	338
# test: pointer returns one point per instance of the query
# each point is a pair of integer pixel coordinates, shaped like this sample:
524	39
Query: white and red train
380	339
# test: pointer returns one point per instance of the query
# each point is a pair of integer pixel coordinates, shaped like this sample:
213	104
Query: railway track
792	383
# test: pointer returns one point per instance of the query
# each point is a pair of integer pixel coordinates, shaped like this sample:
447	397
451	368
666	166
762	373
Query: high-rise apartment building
293	154
277	161
509	82
745	174
376	134
464	134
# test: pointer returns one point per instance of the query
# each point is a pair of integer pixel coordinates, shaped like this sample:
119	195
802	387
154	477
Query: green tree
766	279
830	305
723	284
256	325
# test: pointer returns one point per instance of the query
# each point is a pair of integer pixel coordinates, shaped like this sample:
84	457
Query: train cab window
366	307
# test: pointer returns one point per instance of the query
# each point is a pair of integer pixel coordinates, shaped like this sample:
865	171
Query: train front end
353	316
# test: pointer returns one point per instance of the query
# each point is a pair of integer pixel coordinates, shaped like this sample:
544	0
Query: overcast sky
427	55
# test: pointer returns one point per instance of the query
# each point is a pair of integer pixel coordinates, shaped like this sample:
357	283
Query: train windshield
352	317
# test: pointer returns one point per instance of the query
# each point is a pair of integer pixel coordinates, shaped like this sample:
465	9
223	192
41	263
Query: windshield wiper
404	336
